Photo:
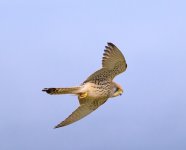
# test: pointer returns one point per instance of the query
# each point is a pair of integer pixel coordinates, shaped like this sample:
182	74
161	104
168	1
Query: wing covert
113	60
82	111
113	63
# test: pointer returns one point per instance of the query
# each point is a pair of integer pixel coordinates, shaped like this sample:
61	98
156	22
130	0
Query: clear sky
58	43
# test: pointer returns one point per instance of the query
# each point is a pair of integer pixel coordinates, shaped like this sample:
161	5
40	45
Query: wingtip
110	44
58	126
55	127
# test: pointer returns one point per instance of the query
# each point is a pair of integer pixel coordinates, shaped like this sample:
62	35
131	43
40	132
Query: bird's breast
97	91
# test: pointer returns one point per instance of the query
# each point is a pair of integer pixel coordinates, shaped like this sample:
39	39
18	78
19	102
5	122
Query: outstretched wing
113	63
113	60
82	111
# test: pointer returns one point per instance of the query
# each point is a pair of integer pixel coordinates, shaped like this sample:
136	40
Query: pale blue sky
59	43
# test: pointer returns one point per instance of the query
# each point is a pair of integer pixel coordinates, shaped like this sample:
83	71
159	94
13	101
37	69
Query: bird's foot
83	95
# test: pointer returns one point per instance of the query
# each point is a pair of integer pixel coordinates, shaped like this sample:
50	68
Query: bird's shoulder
100	75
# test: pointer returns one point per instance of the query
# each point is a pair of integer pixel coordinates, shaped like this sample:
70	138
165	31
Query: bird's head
117	90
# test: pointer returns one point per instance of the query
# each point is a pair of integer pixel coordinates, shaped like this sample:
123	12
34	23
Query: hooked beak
118	92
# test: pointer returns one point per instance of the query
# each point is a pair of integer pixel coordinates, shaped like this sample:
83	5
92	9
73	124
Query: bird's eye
115	89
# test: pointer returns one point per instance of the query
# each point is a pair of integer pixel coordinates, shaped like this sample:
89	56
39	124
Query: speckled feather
113	63
99	86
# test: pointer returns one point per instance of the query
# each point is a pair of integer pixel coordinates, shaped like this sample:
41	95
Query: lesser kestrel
97	88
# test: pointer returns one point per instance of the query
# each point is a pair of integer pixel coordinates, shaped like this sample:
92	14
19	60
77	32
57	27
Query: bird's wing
82	111
113	60
113	63
100	75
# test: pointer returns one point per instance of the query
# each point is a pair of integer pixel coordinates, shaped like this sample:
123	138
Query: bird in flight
97	88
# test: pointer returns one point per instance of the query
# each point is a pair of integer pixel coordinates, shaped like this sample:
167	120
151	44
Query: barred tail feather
55	91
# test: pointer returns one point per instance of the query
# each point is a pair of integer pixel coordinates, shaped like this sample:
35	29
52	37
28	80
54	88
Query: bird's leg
83	95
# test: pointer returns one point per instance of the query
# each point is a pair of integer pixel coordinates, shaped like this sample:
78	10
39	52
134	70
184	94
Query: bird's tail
55	91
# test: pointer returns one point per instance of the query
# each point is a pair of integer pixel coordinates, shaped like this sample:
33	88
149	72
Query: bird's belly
96	91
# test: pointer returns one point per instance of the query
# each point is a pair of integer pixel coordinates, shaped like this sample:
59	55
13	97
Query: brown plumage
97	88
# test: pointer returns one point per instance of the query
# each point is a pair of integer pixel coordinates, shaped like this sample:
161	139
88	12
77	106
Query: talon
83	95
